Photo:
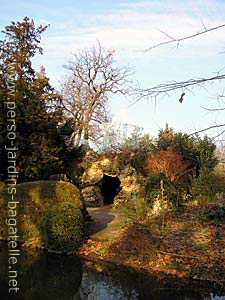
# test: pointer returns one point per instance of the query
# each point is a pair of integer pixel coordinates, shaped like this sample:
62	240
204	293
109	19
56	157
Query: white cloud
131	29
198	8
130	32
126	29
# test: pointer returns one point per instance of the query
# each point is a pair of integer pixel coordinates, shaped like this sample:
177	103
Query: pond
43	276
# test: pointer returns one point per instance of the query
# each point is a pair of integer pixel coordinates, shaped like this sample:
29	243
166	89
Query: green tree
136	150
200	152
40	147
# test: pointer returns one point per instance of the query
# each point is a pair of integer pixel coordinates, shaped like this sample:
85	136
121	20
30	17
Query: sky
129	28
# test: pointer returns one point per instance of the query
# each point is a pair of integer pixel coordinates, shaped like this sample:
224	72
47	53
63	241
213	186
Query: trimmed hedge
63	228
35	201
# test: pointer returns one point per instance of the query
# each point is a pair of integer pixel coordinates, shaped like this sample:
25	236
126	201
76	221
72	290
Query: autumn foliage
168	162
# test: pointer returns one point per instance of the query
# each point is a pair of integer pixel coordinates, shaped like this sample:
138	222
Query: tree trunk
86	133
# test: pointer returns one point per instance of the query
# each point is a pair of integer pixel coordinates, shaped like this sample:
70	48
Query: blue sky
129	27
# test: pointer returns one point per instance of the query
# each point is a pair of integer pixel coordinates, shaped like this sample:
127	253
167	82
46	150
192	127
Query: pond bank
188	247
45	276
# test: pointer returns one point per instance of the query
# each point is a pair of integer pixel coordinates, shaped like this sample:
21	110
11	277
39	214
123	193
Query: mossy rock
63	228
34	199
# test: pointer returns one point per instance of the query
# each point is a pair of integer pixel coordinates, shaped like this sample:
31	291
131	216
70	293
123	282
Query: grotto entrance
110	187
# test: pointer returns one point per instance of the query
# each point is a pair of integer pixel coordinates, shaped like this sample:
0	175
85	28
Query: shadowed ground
107	223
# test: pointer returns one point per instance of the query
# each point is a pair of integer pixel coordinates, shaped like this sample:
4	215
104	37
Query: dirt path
106	223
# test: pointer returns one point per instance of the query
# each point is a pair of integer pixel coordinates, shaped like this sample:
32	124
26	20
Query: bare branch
178	40
94	77
213	109
222	132
166	88
211	127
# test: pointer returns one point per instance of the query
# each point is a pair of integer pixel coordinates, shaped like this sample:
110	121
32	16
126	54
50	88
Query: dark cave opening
110	187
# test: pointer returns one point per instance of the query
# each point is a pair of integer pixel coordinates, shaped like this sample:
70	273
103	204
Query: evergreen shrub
63	228
34	201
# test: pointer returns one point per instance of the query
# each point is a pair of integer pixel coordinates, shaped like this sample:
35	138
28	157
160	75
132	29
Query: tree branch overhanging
172	39
208	128
166	88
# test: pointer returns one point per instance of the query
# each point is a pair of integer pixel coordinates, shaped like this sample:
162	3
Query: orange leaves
189	247
90	248
168	162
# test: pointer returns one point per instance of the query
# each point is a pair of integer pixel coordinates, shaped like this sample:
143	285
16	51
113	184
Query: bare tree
183	86
86	90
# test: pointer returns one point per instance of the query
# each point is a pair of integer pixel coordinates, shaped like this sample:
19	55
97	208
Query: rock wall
95	169
92	196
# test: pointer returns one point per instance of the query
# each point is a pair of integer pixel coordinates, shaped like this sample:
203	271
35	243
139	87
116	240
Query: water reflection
48	277
41	276
102	286
122	284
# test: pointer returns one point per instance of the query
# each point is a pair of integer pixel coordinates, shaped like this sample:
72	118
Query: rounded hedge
63	228
34	199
